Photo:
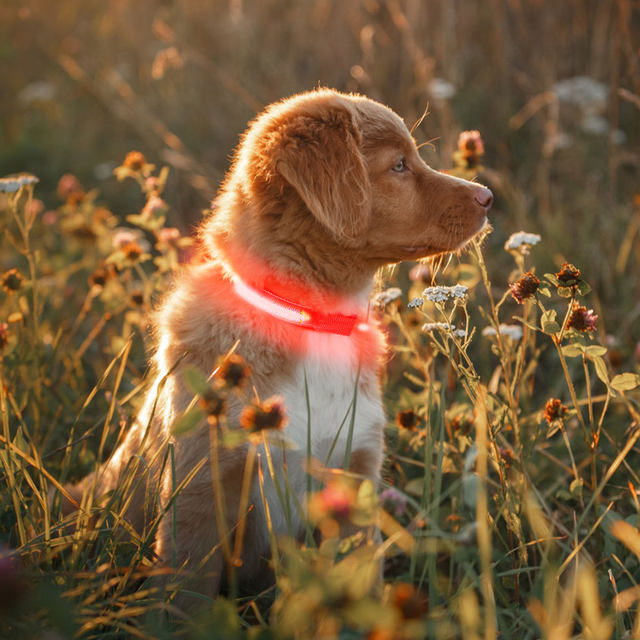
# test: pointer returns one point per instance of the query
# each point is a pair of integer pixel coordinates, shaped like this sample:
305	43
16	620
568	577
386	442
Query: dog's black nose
483	196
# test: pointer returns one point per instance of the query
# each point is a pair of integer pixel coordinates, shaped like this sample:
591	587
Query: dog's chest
333	405
332	399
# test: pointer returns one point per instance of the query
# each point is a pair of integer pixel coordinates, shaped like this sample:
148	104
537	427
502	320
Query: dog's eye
400	166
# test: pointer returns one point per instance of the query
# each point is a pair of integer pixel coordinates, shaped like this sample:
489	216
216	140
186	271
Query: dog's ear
319	155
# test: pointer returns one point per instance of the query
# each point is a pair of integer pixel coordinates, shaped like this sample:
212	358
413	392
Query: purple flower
393	502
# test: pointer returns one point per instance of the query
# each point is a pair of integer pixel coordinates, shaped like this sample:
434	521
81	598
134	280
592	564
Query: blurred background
553	87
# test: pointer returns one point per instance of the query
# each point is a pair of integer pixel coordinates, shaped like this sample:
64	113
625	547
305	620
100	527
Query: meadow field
510	497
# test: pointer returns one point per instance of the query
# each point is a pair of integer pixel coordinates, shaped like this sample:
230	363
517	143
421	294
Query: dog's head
349	164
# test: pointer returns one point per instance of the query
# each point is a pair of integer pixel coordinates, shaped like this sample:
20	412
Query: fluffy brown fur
324	189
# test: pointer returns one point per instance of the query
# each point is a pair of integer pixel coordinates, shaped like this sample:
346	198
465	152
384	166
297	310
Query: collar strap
296	314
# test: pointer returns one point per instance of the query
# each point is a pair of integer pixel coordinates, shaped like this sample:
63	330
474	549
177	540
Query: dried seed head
233	372
132	251
554	410
407	419
568	275
213	404
409	601
270	414
12	280
134	161
524	288
581	318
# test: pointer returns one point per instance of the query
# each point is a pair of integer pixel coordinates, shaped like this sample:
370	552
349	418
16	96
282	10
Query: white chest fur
333	404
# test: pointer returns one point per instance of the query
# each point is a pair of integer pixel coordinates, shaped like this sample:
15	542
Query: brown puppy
325	188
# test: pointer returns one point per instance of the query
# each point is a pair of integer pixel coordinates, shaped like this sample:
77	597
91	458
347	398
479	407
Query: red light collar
297	314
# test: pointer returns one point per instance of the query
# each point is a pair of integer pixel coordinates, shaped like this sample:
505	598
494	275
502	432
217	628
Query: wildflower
103	216
460	423
583	91
506	455
134	161
99	277
442	294
441	90
568	275
382	299
511	331
132	251
407	419
421	273
416	303
35	208
155	206
522	242
123	236
269	414
233	372
167	237
470	148
152	184
336	501
409	601
213	403
4	335
554	410
11	280
26	179
581	318
69	188
50	217
393	502
429	327
10	184
524	288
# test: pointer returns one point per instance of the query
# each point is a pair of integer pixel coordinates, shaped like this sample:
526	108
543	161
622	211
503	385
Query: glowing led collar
297	314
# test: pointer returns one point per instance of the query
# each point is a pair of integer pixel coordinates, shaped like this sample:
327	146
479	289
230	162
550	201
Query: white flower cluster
444	326
512	331
416	303
11	184
521	241
442	294
587	93
441	90
382	299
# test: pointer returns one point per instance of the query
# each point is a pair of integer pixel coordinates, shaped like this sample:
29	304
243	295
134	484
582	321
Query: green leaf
529	324
572	350
576	487
195	380
601	368
548	322
625	381
188	421
565	292
583	288
544	290
595	350
552	278
234	438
